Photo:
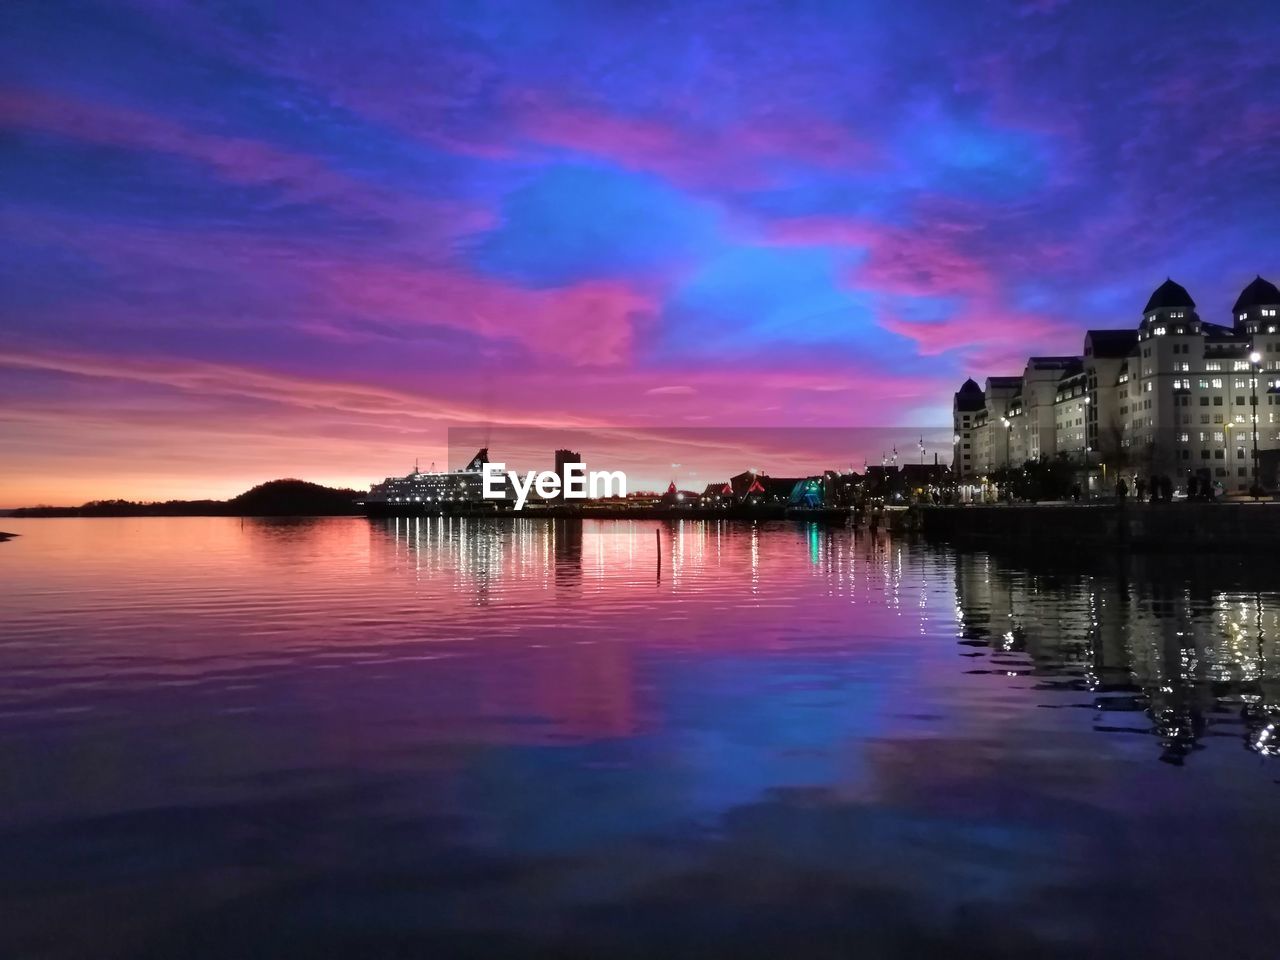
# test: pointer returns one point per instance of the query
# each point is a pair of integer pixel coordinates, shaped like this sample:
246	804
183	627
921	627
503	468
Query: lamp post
1228	442
1255	363
1008	430
1088	447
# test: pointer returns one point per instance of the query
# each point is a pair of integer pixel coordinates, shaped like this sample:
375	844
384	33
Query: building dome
1169	295
970	396
1258	293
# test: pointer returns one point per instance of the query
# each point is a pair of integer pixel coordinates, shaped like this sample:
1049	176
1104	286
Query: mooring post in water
657	540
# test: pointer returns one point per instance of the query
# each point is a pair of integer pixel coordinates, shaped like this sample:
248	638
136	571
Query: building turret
968	401
1257	308
1169	310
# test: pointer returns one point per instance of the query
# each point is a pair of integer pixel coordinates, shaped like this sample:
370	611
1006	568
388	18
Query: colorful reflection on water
433	737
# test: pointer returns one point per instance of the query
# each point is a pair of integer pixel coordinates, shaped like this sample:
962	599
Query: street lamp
1255	361
1008	429
1227	443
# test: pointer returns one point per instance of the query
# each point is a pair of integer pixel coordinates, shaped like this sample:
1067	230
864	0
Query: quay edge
1046	528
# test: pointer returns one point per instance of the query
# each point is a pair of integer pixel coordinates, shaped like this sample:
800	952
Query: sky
246	241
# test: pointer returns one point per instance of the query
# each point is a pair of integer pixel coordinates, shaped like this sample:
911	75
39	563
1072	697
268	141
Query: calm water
433	738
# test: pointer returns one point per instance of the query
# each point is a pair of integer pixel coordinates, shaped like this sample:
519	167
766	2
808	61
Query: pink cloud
924	260
237	160
591	322
332	292
740	154
984	331
937	258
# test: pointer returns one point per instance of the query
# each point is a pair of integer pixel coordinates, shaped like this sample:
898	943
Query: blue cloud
956	151
748	298
575	221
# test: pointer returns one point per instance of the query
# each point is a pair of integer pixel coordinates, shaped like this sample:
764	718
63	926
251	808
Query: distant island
276	498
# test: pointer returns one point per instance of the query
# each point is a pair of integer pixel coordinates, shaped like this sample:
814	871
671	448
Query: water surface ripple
341	737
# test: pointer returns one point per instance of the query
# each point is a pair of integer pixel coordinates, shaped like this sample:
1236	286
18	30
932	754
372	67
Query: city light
1121	394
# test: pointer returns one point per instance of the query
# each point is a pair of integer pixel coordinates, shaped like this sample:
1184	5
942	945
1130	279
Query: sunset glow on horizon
251	242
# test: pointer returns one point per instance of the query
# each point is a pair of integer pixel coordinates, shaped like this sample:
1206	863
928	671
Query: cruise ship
457	491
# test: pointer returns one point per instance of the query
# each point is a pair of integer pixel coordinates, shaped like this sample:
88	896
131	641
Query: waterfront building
675	497
1034	410
1179	396
968	402
992	426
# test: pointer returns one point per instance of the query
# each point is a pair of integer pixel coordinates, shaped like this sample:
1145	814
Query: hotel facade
1177	397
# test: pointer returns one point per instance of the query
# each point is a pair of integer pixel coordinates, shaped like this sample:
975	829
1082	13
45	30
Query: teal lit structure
808	493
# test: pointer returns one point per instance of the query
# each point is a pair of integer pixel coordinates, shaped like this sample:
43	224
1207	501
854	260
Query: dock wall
1141	526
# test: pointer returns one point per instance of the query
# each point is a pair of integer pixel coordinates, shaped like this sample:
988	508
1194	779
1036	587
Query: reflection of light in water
1266	743
677	553
755	558
1195	659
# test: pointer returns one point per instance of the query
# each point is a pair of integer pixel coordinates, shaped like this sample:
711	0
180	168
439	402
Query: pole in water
657	540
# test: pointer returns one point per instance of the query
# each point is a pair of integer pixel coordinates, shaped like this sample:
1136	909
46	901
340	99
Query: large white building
1177	397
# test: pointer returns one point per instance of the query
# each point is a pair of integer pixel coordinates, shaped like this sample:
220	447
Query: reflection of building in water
566	536
1184	643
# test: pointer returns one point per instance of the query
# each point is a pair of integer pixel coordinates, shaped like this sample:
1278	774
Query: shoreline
1064	527
829	515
